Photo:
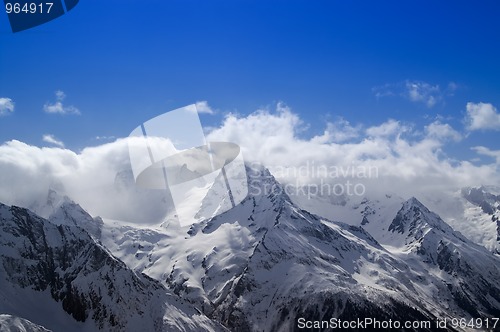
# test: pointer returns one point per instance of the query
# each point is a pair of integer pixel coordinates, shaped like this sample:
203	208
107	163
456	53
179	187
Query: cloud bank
98	178
408	162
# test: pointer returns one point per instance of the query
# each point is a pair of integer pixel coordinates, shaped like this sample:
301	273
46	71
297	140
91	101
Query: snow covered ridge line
9	323
186	165
257	267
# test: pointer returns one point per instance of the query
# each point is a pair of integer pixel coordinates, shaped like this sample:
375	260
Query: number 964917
28	8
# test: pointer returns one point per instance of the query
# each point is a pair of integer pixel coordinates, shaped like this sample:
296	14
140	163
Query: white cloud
338	131
407	163
98	178
386	90
442	131
203	107
482	116
58	107
60	95
416	91
6	106
105	138
389	128
487	152
52	140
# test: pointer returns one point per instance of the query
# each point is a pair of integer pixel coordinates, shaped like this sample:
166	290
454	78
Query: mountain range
271	263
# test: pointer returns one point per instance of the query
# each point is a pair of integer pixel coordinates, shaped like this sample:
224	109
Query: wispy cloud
6	106
338	131
95	177
203	107
387	129
105	138
404	157
442	131
386	90
58	107
423	92
416	91
487	152
451	88
482	116
408	162
48	138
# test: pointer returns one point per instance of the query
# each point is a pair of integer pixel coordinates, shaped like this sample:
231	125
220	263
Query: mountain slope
266	262
9	323
471	273
305	268
47	270
482	211
72	214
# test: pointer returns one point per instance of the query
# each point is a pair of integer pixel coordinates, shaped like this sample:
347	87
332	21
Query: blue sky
120	63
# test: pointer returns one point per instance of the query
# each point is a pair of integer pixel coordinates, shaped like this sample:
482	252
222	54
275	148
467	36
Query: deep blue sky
121	62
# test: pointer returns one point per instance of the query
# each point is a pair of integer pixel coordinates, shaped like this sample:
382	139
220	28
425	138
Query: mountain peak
64	277
260	184
414	217
483	197
72	214
414	202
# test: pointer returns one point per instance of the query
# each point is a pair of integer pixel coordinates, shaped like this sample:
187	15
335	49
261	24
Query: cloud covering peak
407	161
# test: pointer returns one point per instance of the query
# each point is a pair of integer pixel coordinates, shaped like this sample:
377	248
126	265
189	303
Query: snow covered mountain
266	263
59	277
9	323
482	212
374	213
260	266
474	212
72	214
61	210
471	272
